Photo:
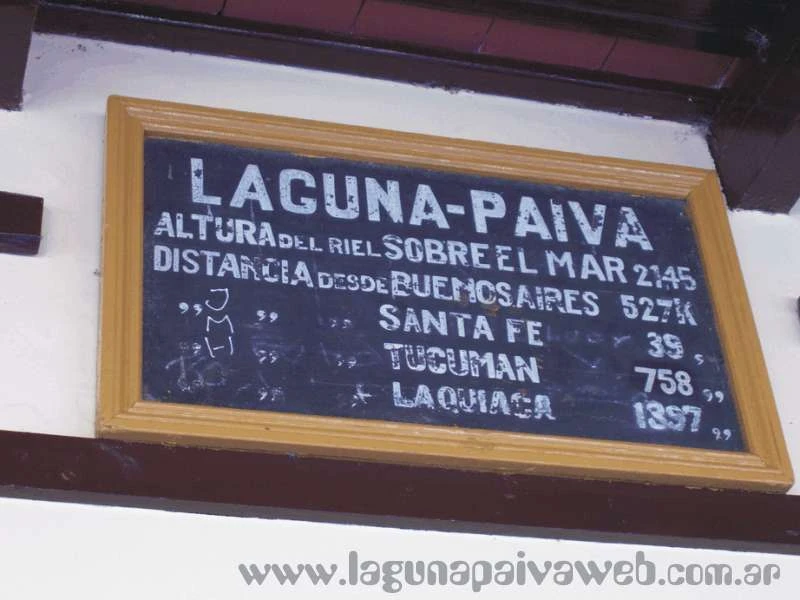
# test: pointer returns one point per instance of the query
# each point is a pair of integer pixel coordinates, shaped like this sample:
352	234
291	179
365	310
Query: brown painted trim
755	134
674	26
20	223
16	26
385	60
756	150
287	486
776	186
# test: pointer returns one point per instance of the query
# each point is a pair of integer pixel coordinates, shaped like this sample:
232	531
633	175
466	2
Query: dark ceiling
732	66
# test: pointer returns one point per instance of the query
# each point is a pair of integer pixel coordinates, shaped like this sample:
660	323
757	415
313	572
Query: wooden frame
123	414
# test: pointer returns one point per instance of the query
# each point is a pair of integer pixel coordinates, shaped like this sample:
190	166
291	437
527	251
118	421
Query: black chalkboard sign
337	288
318	288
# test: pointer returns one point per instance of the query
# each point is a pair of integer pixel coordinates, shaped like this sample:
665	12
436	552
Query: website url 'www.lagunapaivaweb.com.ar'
393	576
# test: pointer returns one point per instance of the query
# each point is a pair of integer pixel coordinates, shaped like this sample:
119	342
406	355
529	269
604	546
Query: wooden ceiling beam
16	26
695	24
755	133
252	484
382	59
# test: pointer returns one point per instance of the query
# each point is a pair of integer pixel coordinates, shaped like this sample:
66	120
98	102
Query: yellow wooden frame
123	414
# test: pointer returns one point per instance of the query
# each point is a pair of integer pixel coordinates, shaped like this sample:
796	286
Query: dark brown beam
253	484
20	223
718	26
16	26
715	26
755	135
430	67
712	14
776	187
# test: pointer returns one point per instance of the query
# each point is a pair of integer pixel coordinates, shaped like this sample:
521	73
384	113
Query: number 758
669	381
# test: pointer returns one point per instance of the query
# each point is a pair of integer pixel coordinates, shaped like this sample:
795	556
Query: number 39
666	344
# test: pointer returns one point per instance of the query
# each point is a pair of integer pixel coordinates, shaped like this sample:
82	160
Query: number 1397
654	415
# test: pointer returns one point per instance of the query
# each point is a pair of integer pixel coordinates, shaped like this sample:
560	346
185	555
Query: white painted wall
61	550
49	308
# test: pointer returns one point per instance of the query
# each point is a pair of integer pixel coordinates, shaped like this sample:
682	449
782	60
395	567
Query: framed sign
303	287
